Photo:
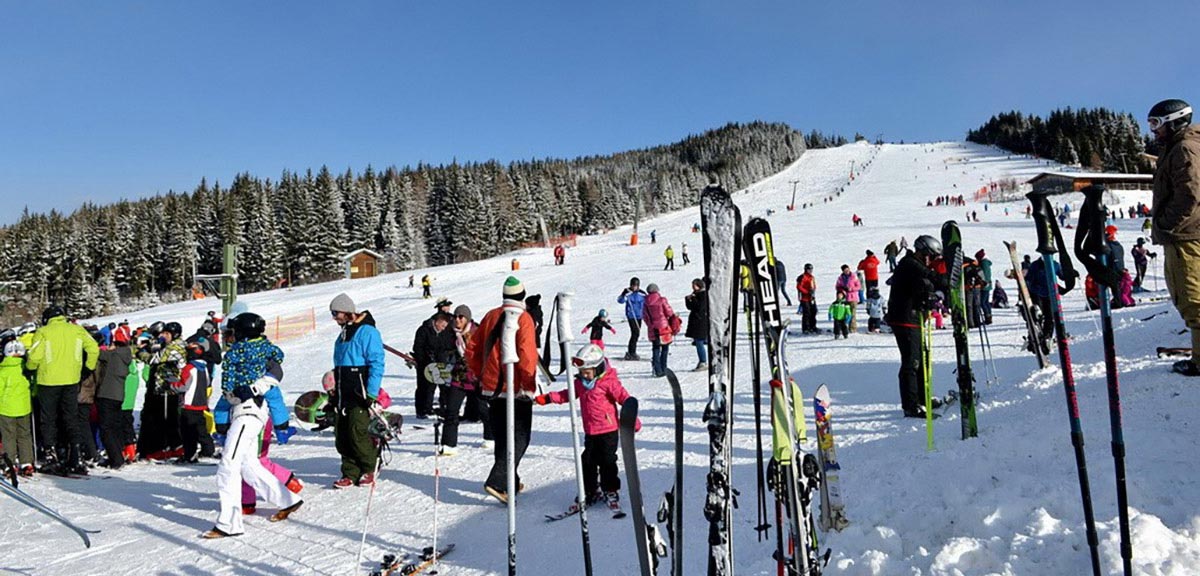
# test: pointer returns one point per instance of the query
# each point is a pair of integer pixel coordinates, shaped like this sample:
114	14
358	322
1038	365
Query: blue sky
109	100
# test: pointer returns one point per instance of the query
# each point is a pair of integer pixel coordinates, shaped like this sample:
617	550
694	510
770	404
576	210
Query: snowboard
833	510
310	407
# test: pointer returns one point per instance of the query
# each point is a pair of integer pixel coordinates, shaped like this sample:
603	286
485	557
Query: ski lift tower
224	285
637	211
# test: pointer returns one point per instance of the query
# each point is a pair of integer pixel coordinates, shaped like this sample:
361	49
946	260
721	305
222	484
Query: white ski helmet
14	348
589	356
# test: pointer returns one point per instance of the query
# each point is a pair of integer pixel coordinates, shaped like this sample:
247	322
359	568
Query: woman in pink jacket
657	314
848	282
600	393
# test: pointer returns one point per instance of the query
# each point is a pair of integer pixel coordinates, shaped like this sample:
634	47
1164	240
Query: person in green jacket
59	353
840	313
16	404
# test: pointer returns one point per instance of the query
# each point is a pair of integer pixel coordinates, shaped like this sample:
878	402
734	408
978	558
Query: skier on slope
433	344
848	282
485	362
869	266
597	327
660	329
16	405
245	380
600	394
358	367
697	327
840	313
280	428
1039	294
669	254
59	352
634	299
914	290
985	273
158	438
1141	260
891	251
781	275
875	310
463	386
1175	210
806	287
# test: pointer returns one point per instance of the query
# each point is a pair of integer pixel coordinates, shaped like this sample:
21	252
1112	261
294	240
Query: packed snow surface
1006	502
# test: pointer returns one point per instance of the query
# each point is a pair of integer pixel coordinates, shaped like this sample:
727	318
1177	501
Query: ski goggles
1157	121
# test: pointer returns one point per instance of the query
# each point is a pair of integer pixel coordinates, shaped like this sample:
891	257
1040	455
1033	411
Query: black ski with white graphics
649	546
722	229
792	479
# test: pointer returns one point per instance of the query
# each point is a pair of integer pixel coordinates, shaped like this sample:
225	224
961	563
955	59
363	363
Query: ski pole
1091	249
437	481
367	515
565	337
508	357
1048	234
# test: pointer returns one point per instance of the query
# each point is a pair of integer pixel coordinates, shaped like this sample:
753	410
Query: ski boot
614	504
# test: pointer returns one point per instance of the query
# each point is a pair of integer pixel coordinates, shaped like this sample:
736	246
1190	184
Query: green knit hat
514	289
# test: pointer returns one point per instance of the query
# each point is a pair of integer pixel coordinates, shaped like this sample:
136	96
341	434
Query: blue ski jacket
359	362
634	301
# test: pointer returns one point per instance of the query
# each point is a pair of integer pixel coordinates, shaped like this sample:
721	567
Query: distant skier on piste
483	358
914	289
600	393
806	287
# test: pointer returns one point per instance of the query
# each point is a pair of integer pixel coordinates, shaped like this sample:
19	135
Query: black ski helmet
52	311
155	329
1173	113
928	245
173	328
248	326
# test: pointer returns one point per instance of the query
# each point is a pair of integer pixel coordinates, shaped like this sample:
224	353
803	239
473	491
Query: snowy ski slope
1004	503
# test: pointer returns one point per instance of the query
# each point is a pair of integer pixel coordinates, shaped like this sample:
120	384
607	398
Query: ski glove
219	437
540	399
284	433
243	393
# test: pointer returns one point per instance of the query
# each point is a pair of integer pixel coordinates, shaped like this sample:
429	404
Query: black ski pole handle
1043	219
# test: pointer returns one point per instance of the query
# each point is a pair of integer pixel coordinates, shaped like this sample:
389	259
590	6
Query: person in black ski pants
914	288
634	298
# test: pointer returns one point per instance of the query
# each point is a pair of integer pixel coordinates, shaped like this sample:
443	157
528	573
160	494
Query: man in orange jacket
483	357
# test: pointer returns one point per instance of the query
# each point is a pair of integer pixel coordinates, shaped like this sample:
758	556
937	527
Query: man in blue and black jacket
634	298
358	365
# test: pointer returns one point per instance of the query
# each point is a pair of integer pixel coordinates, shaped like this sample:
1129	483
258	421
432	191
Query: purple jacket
598	406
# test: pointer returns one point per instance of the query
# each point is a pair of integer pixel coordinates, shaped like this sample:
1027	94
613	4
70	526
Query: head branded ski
791	481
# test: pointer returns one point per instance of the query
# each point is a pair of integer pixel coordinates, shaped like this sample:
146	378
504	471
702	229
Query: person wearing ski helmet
1176	214
166	355
597	327
60	352
251	369
16	405
358	365
915	285
600	393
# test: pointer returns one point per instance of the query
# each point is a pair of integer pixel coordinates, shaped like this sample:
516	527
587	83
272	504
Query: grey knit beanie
343	303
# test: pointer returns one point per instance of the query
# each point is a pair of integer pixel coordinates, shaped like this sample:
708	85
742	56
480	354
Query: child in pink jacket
600	393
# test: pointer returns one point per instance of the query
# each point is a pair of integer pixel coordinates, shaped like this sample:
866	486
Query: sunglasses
1157	121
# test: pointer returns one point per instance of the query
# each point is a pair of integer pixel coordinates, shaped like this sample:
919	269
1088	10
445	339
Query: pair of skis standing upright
794	476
